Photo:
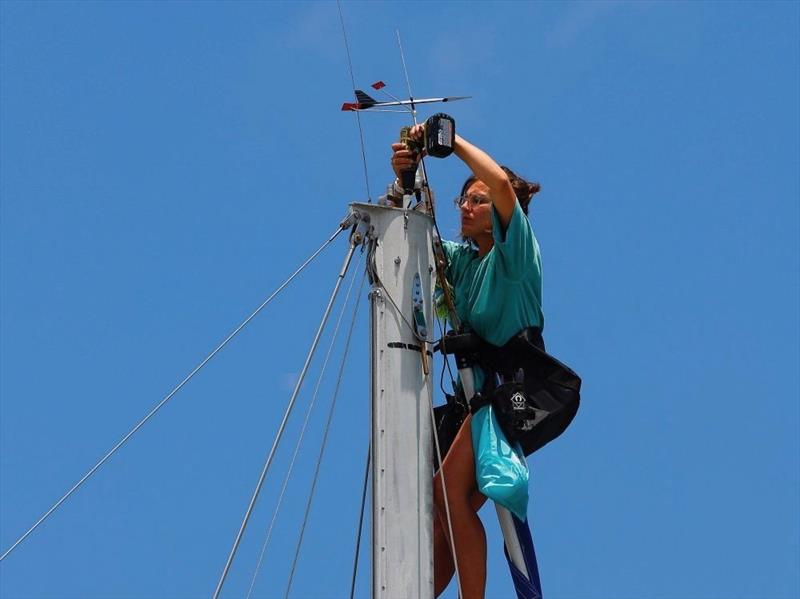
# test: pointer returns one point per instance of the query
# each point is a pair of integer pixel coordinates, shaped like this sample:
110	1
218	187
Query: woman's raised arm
487	170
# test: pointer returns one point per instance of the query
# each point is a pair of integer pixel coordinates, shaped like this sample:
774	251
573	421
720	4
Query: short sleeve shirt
500	294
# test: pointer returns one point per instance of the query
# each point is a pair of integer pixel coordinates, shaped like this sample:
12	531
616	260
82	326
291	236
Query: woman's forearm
483	165
487	170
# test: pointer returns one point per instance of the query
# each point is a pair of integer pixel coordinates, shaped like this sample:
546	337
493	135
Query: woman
496	277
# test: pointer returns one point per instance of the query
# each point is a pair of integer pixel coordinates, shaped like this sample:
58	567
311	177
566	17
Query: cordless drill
439	140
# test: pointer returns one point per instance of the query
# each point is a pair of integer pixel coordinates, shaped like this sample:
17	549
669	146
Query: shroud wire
360	521
310	409
285	419
173	392
325	436
358	117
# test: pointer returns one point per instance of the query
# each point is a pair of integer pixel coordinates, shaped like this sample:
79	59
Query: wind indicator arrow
367	102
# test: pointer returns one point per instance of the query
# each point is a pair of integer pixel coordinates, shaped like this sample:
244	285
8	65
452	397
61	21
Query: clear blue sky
165	165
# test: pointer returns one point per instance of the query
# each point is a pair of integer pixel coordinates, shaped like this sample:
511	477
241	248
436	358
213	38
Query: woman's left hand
417	133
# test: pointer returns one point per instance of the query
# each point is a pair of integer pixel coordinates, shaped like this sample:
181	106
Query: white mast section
400	265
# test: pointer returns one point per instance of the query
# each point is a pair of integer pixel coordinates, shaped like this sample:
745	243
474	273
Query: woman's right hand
404	159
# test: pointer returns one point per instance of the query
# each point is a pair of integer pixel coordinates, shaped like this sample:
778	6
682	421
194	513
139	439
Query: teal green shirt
500	294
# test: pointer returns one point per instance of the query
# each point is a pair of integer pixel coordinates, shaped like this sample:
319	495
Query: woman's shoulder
458	250
515	247
458	255
453	247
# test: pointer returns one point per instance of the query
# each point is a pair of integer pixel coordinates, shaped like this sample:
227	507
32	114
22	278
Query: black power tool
439	140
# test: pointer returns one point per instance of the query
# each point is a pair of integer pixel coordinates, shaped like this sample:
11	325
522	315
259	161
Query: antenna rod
408	83
358	117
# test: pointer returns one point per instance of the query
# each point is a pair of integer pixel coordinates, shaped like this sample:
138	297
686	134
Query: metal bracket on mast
361	226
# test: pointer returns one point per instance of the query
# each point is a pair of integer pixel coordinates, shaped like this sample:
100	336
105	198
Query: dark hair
523	189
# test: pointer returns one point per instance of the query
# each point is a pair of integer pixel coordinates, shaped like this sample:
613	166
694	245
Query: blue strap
526	589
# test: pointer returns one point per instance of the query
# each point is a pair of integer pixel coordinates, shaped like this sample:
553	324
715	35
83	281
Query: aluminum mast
400	266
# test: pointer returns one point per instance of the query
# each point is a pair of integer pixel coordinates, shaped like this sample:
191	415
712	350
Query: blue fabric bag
500	468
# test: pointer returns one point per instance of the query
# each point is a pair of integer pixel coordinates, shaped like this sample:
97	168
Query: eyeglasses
474	200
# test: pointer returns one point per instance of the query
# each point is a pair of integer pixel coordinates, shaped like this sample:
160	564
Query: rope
324	441
444	492
358	116
282	426
302	434
152	412
455	320
360	523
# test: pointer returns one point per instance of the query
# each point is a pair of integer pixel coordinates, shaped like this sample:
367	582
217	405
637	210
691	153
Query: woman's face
476	211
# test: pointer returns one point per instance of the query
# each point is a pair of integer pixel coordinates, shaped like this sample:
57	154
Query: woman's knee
456	496
459	492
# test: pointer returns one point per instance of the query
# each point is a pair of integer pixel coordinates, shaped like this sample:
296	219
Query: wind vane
367	102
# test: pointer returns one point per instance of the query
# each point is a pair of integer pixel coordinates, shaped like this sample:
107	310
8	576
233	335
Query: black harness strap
535	396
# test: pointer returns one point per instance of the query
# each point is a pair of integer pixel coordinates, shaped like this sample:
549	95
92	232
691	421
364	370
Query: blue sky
166	165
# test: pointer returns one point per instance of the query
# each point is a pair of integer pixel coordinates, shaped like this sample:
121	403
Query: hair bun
523	189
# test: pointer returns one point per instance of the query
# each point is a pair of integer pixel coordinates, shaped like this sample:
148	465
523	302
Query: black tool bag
516	412
537	397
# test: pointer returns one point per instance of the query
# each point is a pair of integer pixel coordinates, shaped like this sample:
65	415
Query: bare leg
470	538
442	559
443	567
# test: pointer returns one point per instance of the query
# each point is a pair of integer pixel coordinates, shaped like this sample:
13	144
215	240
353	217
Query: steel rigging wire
285	419
360	521
299	442
343	225
325	436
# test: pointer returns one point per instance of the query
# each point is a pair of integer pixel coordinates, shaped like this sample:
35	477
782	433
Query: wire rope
169	396
408	81
310	409
324	439
444	492
285	419
360	522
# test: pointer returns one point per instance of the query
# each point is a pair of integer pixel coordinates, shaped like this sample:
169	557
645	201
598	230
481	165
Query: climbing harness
538	401
534	395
